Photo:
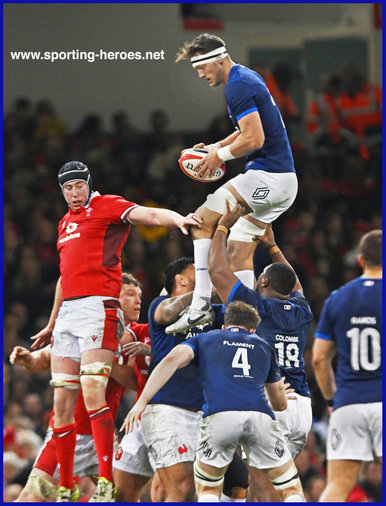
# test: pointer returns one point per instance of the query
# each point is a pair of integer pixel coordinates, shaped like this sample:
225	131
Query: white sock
226	498
246	277
203	289
295	498
208	498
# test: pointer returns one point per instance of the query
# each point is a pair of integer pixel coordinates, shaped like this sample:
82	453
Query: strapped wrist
225	154
274	249
223	228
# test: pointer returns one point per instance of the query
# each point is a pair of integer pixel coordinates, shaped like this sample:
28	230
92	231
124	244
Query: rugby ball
188	160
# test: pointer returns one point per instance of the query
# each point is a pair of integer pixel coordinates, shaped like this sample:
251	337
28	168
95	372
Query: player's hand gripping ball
188	160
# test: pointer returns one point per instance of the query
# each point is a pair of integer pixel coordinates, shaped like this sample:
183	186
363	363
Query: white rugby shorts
258	434
295	422
89	323
171	434
132	455
268	194
355	432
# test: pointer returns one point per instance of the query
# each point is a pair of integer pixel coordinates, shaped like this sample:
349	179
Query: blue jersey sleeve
245	294
325	326
274	374
241	99
192	342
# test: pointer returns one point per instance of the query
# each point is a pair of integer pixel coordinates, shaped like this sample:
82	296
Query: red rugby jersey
140	331
90	244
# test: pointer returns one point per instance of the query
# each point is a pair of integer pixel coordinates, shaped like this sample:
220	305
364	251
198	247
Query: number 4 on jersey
240	360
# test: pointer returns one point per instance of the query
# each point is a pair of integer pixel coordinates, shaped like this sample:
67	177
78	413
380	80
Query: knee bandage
216	201
206	479
244	231
98	371
40	486
288	479
70	381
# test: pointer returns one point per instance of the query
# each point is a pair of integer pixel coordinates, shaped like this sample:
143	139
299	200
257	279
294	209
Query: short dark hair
241	314
282	277
370	247
201	44
129	279
174	268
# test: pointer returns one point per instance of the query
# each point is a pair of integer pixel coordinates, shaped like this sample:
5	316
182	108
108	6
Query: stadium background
128	120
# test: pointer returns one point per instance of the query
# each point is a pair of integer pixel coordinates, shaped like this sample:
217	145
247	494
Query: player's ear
361	261
180	281
223	327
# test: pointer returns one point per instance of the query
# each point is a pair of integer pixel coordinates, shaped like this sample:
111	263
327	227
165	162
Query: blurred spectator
361	105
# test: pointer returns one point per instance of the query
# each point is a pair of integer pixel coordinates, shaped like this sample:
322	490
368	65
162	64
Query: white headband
217	54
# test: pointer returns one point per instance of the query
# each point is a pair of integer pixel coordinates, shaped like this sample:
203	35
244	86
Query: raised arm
268	241
178	357
44	336
220	272
153	216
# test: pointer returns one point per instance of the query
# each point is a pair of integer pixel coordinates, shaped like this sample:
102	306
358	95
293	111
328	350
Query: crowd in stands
339	199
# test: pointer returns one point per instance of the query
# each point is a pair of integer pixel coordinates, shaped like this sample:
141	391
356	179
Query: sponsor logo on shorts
94	338
206	450
182	449
336	439
119	453
260	193
279	448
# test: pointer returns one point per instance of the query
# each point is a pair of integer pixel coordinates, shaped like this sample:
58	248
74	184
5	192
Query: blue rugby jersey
234	365
284	325
246	92
352	318
184	388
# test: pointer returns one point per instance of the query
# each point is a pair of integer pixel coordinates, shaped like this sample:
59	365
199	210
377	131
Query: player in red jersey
86	321
42	482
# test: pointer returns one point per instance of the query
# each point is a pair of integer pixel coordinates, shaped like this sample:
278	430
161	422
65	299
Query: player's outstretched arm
35	361
178	357
44	336
268	241
220	272
152	216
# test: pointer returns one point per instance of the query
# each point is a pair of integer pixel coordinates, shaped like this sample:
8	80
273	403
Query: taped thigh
98	371
40	486
289	478
244	231
217	201
70	381
206	479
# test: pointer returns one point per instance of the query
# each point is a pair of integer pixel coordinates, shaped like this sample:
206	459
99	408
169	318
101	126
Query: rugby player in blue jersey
350	327
170	425
236	367
268	185
285	322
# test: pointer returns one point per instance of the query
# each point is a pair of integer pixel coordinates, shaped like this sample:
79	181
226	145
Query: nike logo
192	321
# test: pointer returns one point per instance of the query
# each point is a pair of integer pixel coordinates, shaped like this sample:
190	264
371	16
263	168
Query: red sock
65	441
102	426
